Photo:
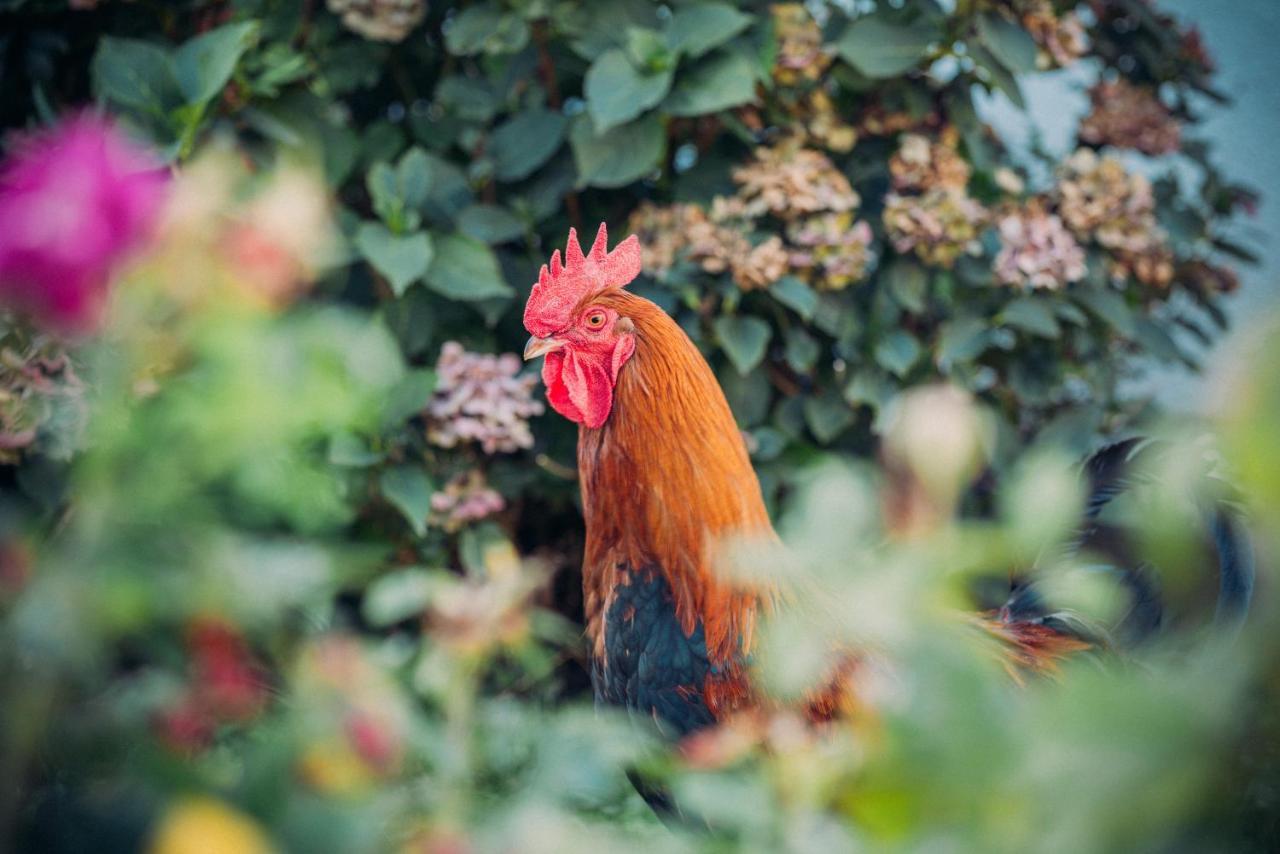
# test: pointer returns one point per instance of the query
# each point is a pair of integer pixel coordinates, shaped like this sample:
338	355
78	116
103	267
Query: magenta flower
74	202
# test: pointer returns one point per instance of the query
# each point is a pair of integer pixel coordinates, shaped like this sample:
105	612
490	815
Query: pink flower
74	202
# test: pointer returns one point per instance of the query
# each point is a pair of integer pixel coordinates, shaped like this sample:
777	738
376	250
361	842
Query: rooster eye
596	319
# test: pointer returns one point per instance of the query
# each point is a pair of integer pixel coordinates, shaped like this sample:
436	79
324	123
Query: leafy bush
285	544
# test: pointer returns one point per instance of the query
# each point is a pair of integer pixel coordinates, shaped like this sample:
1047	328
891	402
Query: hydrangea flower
831	250
1037	250
921	164
466	498
42	399
800	57
1100	201
380	20
1061	38
787	181
75	201
801	187
938	227
481	398
1128	116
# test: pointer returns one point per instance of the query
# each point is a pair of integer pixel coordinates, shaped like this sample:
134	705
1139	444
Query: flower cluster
799	186
830	250
481	397
664	233
820	123
1099	200
921	164
930	213
1061	38
1129	116
938	227
787	181
466	498
1037	250
39	389
800	56
75	201
380	20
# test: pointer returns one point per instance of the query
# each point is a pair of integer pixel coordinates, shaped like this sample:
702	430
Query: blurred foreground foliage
283	569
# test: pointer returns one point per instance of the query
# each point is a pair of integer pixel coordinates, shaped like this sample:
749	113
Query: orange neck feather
664	479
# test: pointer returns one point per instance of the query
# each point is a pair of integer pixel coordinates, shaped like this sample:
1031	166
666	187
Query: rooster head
585	340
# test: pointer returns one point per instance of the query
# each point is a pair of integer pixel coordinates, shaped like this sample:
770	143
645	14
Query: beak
540	347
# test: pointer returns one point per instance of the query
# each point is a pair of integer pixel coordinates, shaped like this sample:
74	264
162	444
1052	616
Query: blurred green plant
281	550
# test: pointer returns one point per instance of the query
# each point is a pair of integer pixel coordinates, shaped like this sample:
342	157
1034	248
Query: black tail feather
1108	473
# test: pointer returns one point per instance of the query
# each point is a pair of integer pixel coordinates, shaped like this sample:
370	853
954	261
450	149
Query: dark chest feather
650	666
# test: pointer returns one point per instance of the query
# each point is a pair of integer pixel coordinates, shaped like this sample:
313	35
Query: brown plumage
663	480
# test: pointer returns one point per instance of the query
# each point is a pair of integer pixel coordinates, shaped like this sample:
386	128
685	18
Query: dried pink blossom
1037	250
1100	201
831	250
380	20
922	164
75	201
466	498
938	227
482	398
1129	116
787	181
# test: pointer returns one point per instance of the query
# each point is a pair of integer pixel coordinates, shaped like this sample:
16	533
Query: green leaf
617	92
467	98
871	388
1156	341
490	224
616	158
135	73
961	339
408	489
721	81
897	352
1108	306
908	282
398	596
880	48
796	295
802	349
748	395
465	269
648	51
524	142
485	27
743	340
1070	313
827	416
402	259
1001	77
204	64
408	397
351	451
1031	315
697	28
1008	42
413	177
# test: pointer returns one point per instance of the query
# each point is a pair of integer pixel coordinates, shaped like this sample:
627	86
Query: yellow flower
335	768
203	825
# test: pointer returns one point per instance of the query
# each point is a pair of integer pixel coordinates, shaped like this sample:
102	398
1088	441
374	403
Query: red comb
560	287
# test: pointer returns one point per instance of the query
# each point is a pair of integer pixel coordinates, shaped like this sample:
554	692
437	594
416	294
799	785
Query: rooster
665	476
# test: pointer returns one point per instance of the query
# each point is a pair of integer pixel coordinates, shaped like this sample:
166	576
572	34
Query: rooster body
665	476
